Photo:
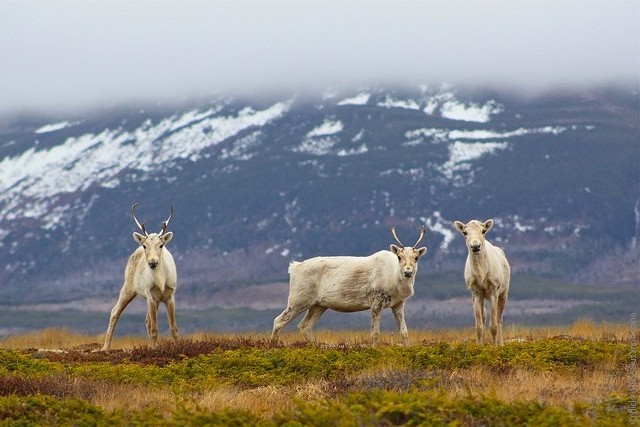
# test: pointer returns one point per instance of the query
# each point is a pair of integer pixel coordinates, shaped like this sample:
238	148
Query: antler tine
395	236
166	222
422	231
133	214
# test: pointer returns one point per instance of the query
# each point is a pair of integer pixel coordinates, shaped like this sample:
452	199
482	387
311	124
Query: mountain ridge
256	184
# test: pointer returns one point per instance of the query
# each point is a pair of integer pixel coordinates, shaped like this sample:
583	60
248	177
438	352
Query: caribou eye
484	231
399	259
144	246
161	246
464	232
416	258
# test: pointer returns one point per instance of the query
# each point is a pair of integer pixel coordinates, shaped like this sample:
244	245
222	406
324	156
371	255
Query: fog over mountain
79	55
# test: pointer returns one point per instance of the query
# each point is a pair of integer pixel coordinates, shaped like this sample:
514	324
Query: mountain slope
256	184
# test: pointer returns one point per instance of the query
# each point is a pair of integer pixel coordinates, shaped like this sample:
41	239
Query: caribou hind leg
309	321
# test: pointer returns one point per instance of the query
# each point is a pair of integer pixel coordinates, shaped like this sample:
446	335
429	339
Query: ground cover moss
16	362
378	408
545	355
43	410
435	407
386	385
262	366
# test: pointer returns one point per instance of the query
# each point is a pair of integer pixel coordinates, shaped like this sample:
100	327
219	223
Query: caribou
384	279
151	274
487	275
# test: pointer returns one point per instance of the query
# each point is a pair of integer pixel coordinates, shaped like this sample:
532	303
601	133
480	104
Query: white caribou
349	284
487	274
150	273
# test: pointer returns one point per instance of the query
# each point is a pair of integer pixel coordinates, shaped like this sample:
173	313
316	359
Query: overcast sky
76	54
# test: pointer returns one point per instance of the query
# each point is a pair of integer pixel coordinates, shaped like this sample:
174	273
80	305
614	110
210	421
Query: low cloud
71	54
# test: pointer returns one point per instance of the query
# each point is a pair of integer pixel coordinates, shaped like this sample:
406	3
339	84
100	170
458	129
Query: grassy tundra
573	375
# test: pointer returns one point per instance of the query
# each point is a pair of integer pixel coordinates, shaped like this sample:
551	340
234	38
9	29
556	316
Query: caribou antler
422	231
166	222
133	214
395	236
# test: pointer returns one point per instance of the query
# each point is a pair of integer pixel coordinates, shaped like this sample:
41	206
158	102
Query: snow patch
431	107
461	153
316	146
40	177
389	102
353	151
520	226
360	99
321	140
437	224
451	108
192	117
416	136
358	136
241	148
436	135
329	127
484	134
455	110
55	127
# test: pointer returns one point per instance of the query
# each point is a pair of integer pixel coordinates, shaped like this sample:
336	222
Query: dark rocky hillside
258	183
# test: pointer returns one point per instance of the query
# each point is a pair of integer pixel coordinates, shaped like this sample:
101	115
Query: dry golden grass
112	397
549	387
582	328
47	338
262	401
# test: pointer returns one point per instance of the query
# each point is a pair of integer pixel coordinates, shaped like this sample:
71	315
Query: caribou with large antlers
150	273
348	284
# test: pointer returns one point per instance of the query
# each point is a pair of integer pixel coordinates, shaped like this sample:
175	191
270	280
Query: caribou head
408	257
474	233
154	242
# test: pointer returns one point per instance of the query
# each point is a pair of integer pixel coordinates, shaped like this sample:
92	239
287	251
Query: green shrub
14	362
41	410
545	355
225	417
437	408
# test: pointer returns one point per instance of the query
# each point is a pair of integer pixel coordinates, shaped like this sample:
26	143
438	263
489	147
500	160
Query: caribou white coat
151	274
487	275
348	284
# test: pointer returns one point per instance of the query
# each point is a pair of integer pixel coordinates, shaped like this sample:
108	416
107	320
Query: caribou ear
139	238
488	224
421	251
395	249
460	226
166	237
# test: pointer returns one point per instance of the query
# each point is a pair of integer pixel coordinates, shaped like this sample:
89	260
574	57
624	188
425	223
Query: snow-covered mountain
258	183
